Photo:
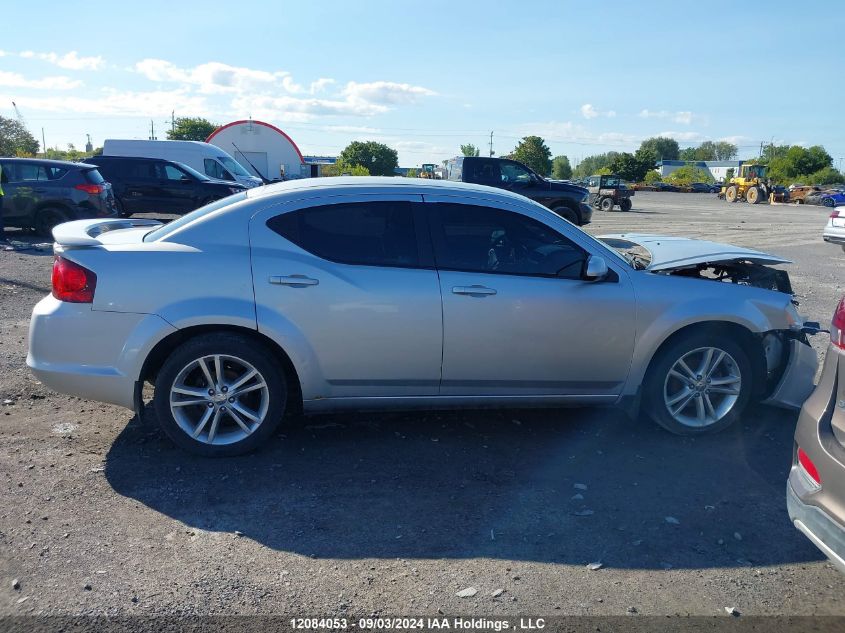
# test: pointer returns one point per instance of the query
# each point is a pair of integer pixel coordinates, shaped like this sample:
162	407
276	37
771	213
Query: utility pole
152	131
491	145
173	120
43	142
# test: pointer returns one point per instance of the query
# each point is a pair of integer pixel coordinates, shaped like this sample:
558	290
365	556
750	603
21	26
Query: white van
205	158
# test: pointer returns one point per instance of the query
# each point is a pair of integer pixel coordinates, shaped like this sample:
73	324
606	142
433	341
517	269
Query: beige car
815	494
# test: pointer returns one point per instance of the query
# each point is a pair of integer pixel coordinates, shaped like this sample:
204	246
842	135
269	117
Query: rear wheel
48	218
625	204
828	202
753	195
732	193
606	204
699	384
220	395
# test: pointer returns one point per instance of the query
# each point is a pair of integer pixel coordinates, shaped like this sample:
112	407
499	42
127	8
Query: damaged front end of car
786	359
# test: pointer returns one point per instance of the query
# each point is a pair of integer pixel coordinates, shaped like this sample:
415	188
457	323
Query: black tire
732	193
231	345
568	214
625	204
47	218
828	202
753	195
121	211
606	204
657	380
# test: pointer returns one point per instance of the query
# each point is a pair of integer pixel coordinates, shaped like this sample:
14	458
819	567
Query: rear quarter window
93	176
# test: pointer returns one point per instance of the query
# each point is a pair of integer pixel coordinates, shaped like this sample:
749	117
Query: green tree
726	151
470	150
377	158
533	152
689	174
342	168
633	167
662	147
652	176
826	176
561	169
191	129
413	172
15	139
788	164
688	154
593	165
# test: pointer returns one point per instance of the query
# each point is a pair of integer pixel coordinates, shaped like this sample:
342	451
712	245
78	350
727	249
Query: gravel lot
394	514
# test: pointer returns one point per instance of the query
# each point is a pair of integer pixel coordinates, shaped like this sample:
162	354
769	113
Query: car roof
380	184
47	162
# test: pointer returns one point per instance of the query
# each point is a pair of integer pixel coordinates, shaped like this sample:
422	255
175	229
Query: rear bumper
817	525
88	353
834	236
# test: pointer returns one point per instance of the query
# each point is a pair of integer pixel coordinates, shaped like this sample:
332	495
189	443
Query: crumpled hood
669	252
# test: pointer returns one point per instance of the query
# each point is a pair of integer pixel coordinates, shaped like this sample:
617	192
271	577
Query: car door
351	281
179	189
141	193
518	319
21	181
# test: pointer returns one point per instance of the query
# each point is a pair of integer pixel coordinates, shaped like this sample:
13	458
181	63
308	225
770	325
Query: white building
261	148
717	168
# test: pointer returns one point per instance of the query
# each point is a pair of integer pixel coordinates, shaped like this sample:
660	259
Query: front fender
666	305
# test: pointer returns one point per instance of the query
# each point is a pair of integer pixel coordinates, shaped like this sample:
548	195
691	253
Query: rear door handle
473	290
296	281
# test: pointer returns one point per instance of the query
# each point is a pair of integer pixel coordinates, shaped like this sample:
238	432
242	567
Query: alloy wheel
702	387
219	399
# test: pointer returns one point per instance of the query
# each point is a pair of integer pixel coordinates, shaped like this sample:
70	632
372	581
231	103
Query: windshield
234	167
163	231
193	172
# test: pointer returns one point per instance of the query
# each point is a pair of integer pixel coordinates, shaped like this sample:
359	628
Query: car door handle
296	281
473	290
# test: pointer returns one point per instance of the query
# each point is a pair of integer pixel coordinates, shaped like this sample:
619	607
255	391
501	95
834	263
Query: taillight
835	214
808	466
92	189
73	283
837	325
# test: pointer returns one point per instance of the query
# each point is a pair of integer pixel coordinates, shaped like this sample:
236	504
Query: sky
426	77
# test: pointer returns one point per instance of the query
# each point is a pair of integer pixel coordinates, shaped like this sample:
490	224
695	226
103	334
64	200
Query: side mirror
596	269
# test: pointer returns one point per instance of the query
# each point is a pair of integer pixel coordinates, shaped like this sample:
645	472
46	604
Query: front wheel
753	195
606	204
828	202
47	219
219	395
567	214
732	193
700	383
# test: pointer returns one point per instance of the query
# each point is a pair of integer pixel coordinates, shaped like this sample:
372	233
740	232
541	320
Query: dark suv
40	194
567	200
154	185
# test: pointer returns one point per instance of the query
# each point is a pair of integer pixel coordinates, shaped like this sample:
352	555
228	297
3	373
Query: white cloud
352	129
385	93
737	139
589	112
14	80
321	84
682	116
212	77
68	61
119	103
685	136
569	132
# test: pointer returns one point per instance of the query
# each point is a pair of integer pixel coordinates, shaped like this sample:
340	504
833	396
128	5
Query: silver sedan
352	293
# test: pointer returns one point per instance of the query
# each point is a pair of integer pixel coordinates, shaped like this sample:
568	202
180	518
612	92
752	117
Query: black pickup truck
567	200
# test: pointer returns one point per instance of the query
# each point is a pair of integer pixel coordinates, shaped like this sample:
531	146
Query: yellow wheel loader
751	185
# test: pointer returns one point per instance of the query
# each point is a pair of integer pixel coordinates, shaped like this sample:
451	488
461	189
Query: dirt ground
394	514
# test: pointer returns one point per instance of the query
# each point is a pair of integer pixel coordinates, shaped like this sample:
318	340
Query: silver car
834	230
352	293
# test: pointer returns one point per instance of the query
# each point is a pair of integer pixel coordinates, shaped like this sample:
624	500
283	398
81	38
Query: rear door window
139	170
483	172
364	233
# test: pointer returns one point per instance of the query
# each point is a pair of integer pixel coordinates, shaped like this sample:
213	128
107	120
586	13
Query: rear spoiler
86	232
